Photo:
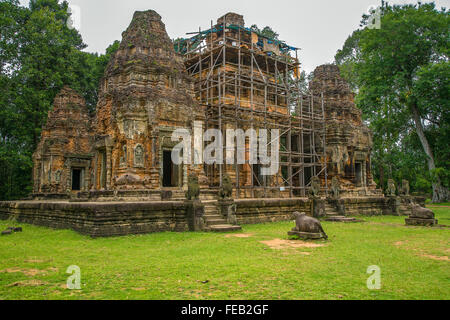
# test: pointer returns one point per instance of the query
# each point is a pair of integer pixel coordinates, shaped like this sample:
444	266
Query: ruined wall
348	139
253	211
66	143
100	219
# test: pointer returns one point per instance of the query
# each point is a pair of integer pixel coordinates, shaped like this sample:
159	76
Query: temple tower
63	156
348	139
145	95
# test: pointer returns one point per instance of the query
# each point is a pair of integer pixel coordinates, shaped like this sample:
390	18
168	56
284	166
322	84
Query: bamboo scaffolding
243	87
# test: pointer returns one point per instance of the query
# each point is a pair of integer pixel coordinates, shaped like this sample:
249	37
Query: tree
399	72
267	32
39	54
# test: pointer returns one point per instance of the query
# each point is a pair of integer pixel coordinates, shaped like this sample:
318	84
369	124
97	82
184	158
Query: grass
413	260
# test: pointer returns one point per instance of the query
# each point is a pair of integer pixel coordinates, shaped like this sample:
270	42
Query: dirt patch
421	253
29	272
439	258
138	289
36	261
28	283
279	244
239	235
286	253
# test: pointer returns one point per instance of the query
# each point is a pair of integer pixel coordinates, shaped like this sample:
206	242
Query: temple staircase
214	220
330	210
332	215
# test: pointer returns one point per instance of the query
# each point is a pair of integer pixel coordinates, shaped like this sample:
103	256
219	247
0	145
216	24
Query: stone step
212	201
215	222
213	216
342	219
224	228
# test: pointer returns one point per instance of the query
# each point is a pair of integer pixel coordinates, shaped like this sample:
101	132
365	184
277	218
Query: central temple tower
145	95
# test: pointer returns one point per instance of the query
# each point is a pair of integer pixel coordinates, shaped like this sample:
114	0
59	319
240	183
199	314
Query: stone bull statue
421	213
308	224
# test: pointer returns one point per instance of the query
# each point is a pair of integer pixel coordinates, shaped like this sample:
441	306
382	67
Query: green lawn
413	260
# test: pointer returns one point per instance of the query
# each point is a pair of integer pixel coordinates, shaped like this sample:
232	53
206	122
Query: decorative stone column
195	212
227	208
108	167
317	207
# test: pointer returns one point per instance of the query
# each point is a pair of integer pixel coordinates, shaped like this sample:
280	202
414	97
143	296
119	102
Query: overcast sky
318	27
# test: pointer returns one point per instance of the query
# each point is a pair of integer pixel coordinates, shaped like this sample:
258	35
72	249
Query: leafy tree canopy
39	54
401	73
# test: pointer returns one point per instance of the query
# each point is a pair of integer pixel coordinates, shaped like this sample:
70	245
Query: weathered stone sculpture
193	192
404	191
391	188
421	216
226	191
335	188
315	187
421	213
307	227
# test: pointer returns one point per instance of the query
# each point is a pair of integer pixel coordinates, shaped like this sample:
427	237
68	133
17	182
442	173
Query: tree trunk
440	193
382	176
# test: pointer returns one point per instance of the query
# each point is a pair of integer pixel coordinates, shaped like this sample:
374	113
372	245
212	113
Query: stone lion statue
193	192
405	188
335	188
308	224
391	188
227	187
315	187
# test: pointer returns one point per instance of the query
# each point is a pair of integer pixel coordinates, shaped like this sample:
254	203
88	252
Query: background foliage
39	54
399	72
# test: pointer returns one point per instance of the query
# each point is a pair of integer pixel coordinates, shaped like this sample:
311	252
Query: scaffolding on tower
246	80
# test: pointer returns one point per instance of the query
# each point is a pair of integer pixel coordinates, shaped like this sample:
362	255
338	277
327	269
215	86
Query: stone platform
343	219
306	235
104	217
421	222
100	219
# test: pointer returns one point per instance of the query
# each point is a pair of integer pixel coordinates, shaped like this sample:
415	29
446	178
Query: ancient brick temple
145	95
348	139
228	77
112	173
63	159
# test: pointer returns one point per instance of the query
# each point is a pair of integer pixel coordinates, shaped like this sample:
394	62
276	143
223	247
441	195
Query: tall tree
393	67
39	54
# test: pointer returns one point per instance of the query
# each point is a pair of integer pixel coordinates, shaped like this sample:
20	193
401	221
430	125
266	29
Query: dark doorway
76	179
170	171
308	175
258	178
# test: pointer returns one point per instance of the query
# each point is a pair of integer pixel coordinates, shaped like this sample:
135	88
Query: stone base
421	222
306	235
255	211
342	219
224	228
100	219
